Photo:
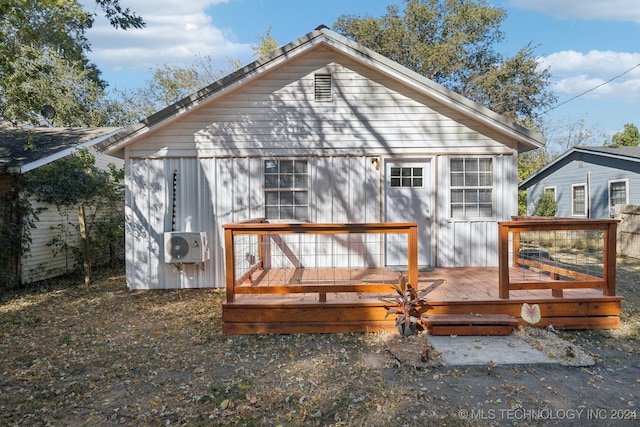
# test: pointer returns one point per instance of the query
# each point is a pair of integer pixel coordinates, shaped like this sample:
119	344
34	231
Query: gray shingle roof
25	149
632	152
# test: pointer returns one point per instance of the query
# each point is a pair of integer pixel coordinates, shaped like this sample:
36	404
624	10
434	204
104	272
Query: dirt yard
108	356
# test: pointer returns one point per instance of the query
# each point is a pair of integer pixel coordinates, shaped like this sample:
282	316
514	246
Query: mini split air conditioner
185	247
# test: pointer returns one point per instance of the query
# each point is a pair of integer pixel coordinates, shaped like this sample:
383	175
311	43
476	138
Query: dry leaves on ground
109	356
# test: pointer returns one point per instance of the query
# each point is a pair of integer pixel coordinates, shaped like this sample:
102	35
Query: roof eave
60	154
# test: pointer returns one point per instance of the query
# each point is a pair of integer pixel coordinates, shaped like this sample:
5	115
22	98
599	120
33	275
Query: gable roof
621	153
22	150
525	138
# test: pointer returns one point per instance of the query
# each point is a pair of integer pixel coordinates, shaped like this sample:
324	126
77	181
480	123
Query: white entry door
409	198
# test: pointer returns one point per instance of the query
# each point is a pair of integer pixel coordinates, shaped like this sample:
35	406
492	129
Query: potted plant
409	306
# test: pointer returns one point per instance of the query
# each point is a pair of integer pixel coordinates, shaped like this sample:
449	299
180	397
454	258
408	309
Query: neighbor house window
322	85
618	194
286	186
406	177
471	188
579	199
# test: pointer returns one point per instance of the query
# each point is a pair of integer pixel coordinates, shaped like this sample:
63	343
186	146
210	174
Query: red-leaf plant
409	304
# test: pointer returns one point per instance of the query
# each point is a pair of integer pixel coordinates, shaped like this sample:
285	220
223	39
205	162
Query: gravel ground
109	356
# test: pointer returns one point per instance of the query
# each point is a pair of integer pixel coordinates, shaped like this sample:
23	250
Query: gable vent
322	87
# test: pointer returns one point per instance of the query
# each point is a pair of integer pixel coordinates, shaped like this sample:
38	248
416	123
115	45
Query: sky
591	47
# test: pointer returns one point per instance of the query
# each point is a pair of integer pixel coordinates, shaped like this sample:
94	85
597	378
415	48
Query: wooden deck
258	306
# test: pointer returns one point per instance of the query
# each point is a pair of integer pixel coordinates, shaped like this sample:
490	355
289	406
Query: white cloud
607	10
574	73
176	32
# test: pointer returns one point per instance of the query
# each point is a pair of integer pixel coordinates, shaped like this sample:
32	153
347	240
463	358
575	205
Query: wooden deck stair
471	324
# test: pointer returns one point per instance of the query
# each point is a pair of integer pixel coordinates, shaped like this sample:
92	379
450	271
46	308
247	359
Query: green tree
453	43
266	45
528	164
44	77
629	137
44	46
546	204
118	16
17	219
168	85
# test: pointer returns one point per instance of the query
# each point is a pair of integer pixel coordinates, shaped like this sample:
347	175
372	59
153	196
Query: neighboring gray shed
323	130
23	150
588	182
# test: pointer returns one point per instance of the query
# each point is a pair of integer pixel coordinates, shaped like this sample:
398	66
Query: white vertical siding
474	243
213	192
209	193
44	260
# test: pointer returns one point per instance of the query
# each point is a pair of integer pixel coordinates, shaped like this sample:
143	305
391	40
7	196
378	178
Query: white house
323	130
22	151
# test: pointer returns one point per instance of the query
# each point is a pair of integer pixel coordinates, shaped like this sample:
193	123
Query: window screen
471	188
286	186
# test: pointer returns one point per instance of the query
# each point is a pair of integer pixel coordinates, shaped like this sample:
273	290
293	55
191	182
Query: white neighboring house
363	138
22	151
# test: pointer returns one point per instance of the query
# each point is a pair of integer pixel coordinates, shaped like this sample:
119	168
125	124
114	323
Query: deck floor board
450	290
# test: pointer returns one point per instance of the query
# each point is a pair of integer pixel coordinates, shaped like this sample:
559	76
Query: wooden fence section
569	253
257	236
628	230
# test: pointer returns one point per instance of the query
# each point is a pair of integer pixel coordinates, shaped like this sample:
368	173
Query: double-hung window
617	193
471	188
286	186
579	200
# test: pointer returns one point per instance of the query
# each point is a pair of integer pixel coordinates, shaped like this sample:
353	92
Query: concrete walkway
482	350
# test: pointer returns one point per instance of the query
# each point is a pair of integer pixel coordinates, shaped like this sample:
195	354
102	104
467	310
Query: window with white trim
471	188
579	200
286	187
618	193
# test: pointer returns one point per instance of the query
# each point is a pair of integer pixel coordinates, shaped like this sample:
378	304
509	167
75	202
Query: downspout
435	212
381	167
588	195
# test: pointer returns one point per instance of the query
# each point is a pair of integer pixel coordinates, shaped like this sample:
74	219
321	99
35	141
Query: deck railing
251	247
567	253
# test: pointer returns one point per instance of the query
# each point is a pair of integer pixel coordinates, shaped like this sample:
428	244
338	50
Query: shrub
546	205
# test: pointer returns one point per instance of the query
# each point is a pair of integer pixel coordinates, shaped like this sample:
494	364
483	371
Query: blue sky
584	43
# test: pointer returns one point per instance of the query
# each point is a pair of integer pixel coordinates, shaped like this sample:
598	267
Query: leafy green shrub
546	205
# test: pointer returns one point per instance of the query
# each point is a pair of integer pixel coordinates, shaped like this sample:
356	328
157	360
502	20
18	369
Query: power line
593	88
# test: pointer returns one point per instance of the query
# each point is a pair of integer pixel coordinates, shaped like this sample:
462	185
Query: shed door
409	198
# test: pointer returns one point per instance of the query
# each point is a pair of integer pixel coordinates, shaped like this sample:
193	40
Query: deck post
610	259
230	266
261	250
503	261
412	255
